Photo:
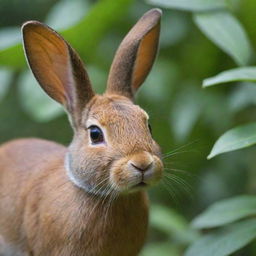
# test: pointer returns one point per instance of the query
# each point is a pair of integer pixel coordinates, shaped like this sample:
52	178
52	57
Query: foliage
201	40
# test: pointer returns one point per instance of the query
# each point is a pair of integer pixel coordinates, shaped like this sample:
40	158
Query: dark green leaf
236	138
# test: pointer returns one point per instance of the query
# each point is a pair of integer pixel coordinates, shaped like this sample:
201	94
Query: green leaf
163	249
232	75
35	101
5	80
236	138
84	36
227	33
226	211
225	241
170	222
12	57
190	5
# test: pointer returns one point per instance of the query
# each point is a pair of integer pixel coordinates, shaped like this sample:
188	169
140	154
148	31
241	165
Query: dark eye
150	129
96	134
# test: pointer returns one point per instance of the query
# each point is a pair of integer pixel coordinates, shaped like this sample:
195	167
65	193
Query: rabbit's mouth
135	172
142	184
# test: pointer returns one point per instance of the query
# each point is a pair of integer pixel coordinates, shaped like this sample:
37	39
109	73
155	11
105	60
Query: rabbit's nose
142	167
142	161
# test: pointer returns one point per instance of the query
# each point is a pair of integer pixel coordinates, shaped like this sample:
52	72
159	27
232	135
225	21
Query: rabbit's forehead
117	112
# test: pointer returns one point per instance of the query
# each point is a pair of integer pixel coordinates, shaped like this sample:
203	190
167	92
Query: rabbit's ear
135	56
57	67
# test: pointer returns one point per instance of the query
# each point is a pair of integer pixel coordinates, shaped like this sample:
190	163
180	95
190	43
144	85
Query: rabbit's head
112	149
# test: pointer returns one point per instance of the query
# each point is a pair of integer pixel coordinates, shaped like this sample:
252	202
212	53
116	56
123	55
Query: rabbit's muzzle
136	171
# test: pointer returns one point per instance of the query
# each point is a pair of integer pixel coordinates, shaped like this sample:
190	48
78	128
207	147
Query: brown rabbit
87	199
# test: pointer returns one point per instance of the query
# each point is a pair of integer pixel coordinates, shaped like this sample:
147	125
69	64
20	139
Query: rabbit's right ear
57	68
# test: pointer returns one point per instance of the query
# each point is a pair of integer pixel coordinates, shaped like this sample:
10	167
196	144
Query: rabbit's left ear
135	56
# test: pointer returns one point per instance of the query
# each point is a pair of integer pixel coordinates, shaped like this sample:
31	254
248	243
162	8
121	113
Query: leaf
170	222
35	101
224	242
236	138
232	75
227	33
190	5
84	36
226	211
163	249
62	9
5	79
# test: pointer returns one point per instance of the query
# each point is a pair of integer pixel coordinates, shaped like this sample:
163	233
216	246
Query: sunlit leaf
190	5
226	211
35	101
84	36
226	241
227	33
5	80
236	138
232	75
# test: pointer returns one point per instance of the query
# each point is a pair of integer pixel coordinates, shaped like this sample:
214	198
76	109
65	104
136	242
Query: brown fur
87	199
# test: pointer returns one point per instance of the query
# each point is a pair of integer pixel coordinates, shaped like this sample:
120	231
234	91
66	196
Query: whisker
179	148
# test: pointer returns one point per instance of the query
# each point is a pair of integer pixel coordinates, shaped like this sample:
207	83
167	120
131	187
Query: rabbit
89	198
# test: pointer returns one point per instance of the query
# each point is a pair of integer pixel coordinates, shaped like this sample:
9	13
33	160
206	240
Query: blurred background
186	119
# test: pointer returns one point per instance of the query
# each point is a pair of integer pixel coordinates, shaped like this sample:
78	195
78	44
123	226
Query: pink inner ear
135	55
145	57
49	60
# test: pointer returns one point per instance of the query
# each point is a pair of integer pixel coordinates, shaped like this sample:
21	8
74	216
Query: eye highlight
96	134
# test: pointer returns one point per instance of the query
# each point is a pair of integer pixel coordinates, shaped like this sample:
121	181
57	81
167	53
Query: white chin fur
78	182
71	176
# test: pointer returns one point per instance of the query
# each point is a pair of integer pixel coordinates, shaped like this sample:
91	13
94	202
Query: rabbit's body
87	199
42	211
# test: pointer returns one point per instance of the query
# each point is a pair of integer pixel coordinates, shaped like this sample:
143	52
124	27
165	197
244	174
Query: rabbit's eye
150	129
96	134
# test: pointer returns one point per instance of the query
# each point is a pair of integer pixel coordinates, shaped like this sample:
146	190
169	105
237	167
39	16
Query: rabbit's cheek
121	178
